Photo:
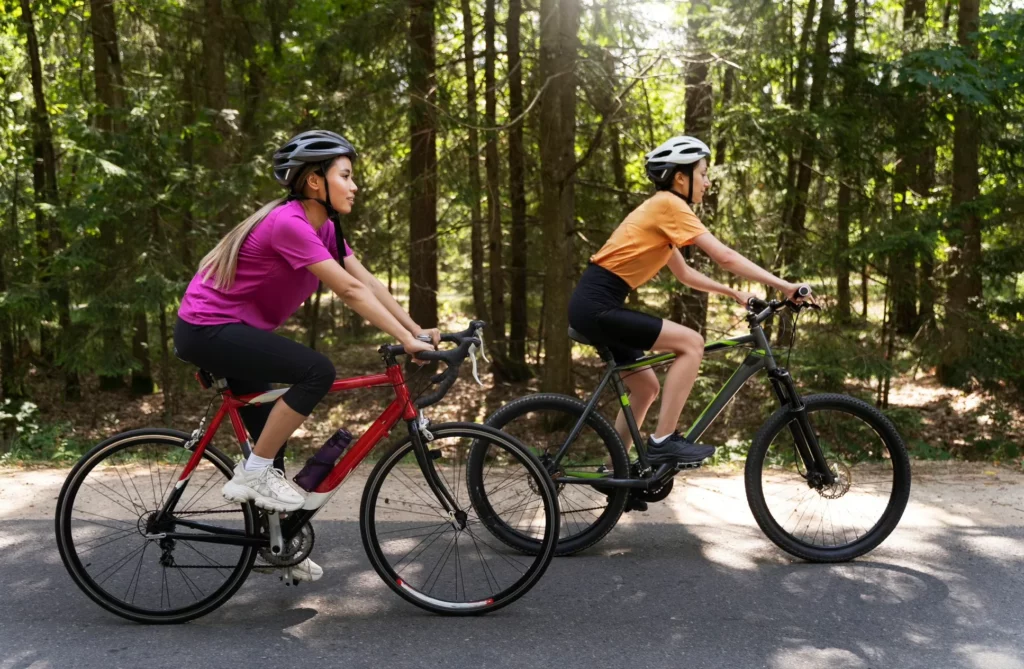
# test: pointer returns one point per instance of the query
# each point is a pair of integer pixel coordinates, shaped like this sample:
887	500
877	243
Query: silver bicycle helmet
312	146
681	151
320	147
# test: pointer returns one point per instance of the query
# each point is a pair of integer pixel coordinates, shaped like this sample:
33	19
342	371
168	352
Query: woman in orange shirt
647	240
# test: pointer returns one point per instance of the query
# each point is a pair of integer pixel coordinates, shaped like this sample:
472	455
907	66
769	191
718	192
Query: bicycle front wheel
106	538
447	562
841	520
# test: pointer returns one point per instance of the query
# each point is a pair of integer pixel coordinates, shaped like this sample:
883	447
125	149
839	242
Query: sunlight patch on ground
808	656
985	657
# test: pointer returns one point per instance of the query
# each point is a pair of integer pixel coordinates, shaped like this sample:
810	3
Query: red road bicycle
144	532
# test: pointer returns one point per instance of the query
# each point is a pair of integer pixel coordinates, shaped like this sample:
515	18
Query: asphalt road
698	589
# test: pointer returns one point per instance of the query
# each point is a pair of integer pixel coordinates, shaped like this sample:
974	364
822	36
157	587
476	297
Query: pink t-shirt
271	281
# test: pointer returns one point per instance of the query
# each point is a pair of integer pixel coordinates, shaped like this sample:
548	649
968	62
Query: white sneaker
306	571
267	488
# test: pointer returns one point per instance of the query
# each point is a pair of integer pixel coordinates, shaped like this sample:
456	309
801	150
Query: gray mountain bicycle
827	476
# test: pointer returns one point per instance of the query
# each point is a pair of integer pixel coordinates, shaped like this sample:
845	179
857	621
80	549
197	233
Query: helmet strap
333	214
688	198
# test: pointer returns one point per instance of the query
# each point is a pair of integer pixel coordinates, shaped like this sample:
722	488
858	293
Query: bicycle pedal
635	505
681	466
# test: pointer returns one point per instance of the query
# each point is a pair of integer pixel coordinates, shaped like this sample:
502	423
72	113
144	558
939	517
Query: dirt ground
956	494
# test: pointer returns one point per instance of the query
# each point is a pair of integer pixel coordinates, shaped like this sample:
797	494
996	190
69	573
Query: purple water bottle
320	465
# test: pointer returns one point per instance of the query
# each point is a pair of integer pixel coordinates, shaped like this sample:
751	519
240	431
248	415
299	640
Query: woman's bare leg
689	349
643	390
281	423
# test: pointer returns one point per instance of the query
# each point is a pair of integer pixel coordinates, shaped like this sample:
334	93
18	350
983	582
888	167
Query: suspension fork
800	427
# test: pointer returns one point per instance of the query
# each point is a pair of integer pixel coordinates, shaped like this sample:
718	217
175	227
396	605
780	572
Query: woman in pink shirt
254	279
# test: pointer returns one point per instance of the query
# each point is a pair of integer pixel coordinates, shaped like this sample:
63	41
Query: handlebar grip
803	291
756	303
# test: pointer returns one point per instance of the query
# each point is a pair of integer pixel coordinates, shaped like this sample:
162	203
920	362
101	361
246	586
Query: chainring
295	551
653	494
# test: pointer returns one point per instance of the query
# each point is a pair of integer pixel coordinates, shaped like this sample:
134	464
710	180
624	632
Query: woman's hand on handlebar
431	334
797	292
743	297
413	346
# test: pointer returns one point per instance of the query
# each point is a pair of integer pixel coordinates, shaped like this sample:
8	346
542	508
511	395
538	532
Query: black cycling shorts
596	311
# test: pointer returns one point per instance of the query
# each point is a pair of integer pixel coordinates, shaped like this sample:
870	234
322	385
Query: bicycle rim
588	512
854	513
429	557
105	513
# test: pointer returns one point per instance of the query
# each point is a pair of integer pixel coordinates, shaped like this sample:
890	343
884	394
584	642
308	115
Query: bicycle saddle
577	336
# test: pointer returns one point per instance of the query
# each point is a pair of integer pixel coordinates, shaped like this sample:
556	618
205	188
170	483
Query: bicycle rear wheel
446	563
543	422
103	510
829	522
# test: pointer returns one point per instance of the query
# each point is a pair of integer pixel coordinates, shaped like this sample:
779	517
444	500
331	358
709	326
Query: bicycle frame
760	358
401	407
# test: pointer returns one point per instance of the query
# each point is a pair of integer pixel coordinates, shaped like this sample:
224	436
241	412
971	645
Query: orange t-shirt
642	244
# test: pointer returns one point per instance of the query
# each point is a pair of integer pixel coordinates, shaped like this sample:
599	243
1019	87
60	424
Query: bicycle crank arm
658	479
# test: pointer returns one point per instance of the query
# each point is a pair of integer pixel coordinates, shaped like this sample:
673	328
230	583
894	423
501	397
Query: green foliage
138	207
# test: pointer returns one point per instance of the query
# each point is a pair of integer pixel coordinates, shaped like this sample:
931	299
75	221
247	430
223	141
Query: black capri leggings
251	359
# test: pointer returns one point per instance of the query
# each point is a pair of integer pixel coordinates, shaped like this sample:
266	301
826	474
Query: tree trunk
11	375
846	174
188	155
791	239
494	250
422	165
697	121
559	20
819	74
50	237
109	81
964	288
314	318
107	69
216	82
517	195
473	149
142	376
912	160
166	375
255	77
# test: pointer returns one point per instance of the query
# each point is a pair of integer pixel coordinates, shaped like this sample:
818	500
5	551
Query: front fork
818	472
426	463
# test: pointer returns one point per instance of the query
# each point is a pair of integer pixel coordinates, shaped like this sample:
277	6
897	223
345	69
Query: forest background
872	148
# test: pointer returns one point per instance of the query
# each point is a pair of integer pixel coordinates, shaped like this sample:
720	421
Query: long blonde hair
221	263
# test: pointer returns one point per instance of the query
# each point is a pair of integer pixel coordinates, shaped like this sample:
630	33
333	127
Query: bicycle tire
216	463
390	489
853	464
578	531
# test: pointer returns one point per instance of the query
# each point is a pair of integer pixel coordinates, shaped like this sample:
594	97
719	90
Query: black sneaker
677	449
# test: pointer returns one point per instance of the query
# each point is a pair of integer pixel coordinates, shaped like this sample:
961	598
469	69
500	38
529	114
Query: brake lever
472	354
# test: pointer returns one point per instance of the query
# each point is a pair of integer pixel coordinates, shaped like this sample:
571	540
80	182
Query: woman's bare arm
361	299
380	291
688	276
731	261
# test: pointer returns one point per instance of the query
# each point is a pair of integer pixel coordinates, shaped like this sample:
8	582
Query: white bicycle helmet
677	152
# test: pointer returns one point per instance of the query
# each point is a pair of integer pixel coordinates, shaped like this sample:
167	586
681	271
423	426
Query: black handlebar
763	310
453	358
